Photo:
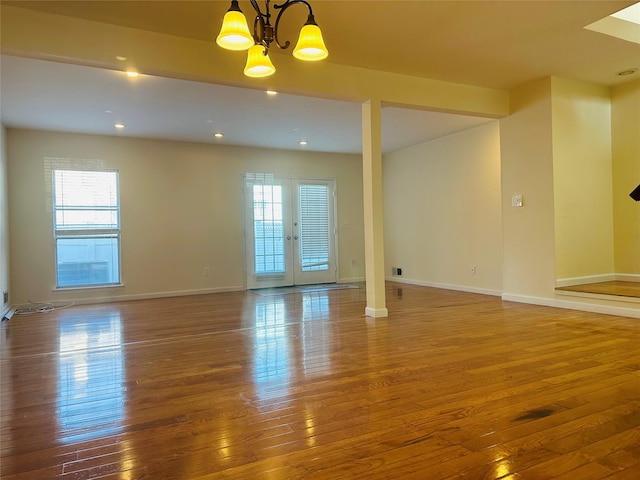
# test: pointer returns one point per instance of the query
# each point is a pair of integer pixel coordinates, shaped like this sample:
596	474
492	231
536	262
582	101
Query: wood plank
237	385
615	287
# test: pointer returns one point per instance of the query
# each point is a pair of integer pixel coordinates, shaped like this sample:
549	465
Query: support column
373	225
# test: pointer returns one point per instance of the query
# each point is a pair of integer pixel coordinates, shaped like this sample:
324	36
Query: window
86	222
268	224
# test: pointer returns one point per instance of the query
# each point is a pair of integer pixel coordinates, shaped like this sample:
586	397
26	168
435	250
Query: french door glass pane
87	260
268	227
314	227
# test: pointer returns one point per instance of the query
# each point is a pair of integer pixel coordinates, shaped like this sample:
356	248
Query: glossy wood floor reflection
450	386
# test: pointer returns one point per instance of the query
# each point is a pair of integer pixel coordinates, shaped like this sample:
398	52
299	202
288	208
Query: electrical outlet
473	270
399	271
206	271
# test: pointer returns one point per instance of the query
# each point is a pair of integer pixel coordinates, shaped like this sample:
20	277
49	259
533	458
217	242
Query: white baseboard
446	286
602	296
547	302
627	277
376	312
351	280
606	277
566	304
7	313
567	282
148	296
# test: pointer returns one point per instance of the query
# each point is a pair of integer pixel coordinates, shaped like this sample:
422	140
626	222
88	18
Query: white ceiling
494	44
71	98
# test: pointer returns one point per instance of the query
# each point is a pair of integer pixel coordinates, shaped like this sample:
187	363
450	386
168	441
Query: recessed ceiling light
119	126
121	58
271	92
132	73
303	142
108	111
218	135
628	71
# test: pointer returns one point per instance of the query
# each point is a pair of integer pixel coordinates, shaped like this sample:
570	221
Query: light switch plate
516	200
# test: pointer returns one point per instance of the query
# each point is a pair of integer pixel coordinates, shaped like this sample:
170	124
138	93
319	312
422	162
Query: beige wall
581	119
527	168
626	176
442	211
527	153
4	223
182	210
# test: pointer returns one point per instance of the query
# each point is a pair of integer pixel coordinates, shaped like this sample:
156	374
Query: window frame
87	233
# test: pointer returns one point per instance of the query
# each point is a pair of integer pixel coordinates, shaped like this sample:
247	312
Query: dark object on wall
636	194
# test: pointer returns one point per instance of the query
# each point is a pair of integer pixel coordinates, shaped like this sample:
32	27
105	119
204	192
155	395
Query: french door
289	231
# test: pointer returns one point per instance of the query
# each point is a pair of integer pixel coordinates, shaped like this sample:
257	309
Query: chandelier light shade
310	46
235	35
258	63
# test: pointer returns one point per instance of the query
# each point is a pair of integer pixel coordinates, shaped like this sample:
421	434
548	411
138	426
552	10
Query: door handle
288	237
295	237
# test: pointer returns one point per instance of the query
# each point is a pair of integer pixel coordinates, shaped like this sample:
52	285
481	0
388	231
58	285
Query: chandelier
235	35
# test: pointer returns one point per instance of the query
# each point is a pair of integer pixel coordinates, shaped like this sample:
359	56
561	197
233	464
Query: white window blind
86	200
314	227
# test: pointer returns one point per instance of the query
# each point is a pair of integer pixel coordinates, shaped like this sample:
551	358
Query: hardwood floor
451	385
615	288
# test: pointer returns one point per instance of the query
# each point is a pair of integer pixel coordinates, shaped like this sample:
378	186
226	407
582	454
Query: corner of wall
582	178
4	224
527	169
625	132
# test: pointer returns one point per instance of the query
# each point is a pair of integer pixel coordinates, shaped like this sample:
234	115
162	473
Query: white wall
527	147
181	211
527	169
583	196
442	211
625	129
4	224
